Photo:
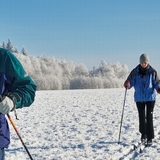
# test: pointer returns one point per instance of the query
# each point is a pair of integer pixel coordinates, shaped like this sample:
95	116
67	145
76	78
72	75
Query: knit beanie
144	58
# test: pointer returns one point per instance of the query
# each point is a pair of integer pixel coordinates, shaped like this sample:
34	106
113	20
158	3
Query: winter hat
144	58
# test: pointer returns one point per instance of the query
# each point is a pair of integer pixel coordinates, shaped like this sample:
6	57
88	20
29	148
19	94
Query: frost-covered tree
81	71
23	51
16	50
3	45
9	46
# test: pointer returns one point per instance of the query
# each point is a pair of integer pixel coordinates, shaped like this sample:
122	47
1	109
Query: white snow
80	125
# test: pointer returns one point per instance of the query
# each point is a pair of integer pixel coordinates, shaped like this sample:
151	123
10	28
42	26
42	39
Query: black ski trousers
145	111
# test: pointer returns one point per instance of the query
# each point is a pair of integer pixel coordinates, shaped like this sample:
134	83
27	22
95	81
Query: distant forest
51	74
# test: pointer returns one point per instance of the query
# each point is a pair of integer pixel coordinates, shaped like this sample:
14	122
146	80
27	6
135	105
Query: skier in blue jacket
146	82
17	90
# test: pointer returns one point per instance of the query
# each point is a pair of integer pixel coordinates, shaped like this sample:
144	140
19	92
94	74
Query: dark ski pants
145	110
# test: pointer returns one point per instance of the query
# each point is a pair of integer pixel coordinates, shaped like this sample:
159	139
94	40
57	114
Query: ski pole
122	115
15	128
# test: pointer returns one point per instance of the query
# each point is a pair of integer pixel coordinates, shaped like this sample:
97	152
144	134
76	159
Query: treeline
52	74
10	47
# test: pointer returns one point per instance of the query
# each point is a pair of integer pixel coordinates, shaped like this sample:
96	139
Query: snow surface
80	125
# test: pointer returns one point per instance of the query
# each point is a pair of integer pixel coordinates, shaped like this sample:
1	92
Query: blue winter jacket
17	85
144	85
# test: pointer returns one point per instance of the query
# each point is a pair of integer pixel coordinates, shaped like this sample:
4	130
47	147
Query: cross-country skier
17	90
146	82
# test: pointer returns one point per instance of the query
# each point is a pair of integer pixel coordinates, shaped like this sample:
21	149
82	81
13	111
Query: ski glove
6	105
158	90
127	84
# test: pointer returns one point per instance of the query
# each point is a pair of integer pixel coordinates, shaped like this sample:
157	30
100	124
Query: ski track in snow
80	125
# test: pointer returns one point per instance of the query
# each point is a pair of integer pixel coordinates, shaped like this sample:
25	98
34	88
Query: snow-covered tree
23	51
81	71
16	50
9	46
3	45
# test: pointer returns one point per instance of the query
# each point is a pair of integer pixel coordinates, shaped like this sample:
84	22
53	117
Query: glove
6	105
127	84
158	90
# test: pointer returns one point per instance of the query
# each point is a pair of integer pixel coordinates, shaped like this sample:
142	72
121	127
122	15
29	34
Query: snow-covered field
80	125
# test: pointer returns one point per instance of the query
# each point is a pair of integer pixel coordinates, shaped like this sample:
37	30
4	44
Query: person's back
17	90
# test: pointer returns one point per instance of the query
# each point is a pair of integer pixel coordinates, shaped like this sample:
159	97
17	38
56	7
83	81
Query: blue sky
84	31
